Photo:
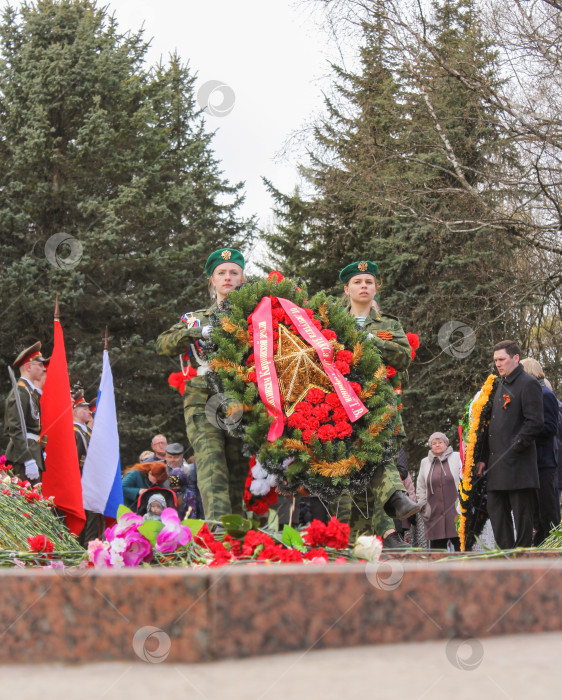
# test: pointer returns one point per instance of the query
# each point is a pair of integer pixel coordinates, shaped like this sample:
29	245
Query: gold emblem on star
298	369
362	266
226	255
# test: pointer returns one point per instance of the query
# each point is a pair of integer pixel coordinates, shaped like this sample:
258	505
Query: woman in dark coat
549	504
140	477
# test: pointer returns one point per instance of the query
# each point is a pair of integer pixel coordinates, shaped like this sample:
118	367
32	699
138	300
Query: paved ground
525	666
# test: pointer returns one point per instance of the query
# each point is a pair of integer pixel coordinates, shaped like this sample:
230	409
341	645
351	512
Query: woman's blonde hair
533	367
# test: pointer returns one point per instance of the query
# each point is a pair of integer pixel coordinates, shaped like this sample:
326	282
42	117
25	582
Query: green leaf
292	538
193	525
150	530
273	519
235	525
122	510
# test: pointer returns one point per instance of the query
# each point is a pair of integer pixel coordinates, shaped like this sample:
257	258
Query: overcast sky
272	54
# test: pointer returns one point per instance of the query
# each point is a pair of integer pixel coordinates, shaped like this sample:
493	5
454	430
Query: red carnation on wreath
414	340
301	454
258	504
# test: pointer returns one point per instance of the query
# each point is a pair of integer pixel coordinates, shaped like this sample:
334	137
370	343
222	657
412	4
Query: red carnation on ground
356	387
278	314
40	544
204	538
337	534
307	436
329	334
343	430
309	313
290	555
315	396
251	361
344	356
390	372
315	534
253	539
326	432
339	415
316	554
316	324
253	377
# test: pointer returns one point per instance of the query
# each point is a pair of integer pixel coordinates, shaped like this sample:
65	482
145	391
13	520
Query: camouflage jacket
392	343
22	447
390	339
182	340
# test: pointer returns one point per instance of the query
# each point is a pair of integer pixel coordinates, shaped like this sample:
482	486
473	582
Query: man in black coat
510	459
549	500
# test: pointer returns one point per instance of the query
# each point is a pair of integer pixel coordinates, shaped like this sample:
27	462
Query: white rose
368	548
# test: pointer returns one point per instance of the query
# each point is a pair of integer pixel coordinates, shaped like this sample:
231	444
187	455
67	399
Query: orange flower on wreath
475	414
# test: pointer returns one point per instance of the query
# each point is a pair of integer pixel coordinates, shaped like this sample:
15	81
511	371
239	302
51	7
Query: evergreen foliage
401	172
97	146
371	442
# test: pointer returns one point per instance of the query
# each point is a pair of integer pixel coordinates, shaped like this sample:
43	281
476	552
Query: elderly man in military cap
183	479
22	414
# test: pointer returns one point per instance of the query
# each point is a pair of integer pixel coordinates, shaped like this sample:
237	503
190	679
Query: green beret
223	255
363	267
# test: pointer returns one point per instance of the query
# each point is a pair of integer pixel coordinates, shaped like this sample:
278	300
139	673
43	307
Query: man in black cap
22	414
184	474
81	416
174	456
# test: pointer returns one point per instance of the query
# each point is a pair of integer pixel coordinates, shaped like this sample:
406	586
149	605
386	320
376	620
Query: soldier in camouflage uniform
23	429
388	494
221	468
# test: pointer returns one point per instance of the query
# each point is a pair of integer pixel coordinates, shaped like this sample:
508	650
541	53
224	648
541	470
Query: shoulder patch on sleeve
190	320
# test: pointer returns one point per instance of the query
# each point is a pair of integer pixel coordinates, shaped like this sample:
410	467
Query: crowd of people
520	460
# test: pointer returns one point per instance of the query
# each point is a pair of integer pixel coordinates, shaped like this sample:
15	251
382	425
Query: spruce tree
96	145
394	172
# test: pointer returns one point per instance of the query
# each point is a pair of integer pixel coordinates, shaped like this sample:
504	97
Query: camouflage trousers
364	511
221	468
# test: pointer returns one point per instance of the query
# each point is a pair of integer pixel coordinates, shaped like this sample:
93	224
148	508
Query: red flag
61	478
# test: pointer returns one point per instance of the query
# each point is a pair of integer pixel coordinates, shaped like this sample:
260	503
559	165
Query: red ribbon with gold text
266	374
350	401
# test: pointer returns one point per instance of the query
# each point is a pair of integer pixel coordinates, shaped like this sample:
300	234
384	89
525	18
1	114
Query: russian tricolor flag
101	474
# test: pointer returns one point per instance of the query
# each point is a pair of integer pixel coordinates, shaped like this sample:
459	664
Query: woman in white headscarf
437	492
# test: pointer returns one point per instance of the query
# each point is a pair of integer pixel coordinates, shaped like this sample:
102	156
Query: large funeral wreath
473	494
319	445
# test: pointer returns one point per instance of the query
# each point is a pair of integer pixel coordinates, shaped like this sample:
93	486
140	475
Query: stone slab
187	616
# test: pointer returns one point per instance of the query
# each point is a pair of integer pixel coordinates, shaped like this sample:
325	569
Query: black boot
400	506
393	541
